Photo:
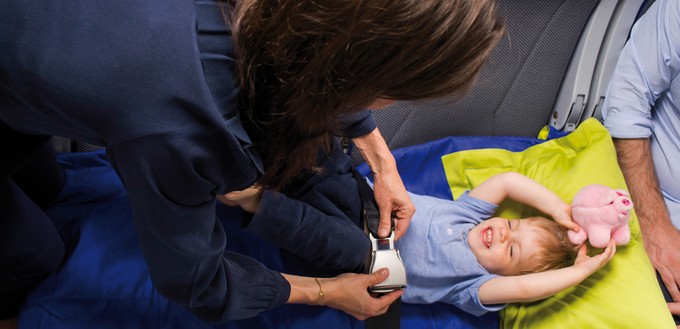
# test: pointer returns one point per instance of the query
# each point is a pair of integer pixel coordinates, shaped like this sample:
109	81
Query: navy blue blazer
153	82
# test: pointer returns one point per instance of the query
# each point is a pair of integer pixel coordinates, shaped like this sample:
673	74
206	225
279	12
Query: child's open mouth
487	237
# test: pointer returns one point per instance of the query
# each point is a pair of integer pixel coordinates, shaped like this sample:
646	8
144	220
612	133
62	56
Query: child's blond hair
556	251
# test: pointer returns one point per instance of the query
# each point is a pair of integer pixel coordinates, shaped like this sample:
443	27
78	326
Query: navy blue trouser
667	296
30	246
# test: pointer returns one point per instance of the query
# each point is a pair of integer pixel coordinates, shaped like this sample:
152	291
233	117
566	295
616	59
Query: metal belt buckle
387	257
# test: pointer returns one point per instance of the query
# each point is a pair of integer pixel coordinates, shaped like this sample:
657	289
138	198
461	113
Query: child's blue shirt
439	263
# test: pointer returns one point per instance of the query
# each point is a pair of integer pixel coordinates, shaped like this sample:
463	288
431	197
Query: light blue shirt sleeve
643	100
647	65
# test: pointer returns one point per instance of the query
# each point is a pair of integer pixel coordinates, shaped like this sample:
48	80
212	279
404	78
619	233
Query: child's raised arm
535	286
523	189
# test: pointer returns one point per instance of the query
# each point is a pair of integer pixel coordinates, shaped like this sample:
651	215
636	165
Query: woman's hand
393	201
388	188
248	199
351	294
346	292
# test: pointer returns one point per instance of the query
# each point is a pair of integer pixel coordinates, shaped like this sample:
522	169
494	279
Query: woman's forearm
305	290
376	152
390	193
347	292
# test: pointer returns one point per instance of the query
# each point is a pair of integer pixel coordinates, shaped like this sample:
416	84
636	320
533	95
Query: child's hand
591	264
248	199
562	215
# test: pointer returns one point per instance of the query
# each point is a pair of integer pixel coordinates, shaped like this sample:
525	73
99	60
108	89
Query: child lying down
454	251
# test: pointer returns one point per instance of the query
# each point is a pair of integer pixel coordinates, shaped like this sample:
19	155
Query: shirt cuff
357	124
628	124
283	293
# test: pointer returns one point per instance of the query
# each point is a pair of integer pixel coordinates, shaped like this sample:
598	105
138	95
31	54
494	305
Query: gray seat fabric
516	90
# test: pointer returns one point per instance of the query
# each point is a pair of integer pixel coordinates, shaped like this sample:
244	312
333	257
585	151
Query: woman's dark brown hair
304	62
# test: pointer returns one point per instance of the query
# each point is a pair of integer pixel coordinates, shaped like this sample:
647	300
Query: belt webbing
391	318
370	221
371	214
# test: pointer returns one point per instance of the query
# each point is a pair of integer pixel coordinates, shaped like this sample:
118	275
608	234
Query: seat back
553	54
623	18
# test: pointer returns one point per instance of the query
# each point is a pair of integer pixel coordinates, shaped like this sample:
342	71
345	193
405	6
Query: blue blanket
104	282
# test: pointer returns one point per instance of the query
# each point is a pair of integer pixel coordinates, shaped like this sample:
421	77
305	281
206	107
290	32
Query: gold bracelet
320	291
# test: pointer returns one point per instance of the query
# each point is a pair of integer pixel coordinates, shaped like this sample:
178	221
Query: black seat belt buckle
384	255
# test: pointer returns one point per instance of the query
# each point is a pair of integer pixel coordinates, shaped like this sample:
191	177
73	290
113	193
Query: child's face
504	247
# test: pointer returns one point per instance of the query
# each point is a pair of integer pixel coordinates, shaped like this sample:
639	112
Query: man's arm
536	286
660	237
527	191
389	190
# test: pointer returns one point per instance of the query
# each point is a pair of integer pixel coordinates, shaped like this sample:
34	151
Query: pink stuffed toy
602	213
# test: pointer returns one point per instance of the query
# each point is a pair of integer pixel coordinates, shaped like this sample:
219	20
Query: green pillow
624	293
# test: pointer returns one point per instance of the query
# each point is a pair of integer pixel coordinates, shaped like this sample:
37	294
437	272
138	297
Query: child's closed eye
512	246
